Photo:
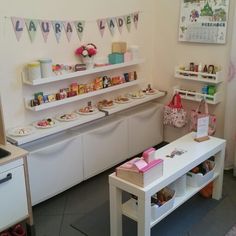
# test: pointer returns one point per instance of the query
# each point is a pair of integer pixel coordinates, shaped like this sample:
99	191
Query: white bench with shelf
174	168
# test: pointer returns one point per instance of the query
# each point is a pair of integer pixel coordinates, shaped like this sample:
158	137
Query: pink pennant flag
68	29
18	25
101	26
45	26
136	19
120	23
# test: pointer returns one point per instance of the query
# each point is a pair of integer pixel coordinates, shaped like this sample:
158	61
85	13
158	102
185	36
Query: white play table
174	168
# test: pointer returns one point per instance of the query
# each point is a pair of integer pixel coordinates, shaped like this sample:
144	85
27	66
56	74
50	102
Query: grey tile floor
197	217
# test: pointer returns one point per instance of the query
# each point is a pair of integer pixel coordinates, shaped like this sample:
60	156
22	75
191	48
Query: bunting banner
68	29
127	19
111	23
79	26
32	26
45	26
18	25
120	23
57	26
101	26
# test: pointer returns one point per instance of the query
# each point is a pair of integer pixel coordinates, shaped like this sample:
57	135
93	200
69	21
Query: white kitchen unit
145	127
55	164
195	153
13	204
105	144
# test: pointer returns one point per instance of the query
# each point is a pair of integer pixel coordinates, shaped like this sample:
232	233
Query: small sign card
202	128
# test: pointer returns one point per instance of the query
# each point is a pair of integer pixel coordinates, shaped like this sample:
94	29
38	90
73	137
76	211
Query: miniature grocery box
139	172
115	58
119	47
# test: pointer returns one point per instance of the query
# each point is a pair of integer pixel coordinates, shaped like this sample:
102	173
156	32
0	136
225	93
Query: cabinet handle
7	178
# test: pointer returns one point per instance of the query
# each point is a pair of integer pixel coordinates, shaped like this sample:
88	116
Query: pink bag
174	113
195	114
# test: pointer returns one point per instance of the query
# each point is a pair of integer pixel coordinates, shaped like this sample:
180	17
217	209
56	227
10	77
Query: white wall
14	55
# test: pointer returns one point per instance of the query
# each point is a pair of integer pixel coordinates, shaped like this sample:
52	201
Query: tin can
46	67
33	69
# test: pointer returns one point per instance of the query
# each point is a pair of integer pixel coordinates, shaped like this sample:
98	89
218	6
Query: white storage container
158	211
54	164
46	67
197	180
13	204
145	127
105	145
33	70
179	186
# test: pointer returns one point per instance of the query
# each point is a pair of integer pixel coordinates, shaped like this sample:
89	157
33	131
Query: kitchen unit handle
7	178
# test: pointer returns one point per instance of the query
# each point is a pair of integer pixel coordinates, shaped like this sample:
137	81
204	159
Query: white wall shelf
199	76
80	97
194	96
79	73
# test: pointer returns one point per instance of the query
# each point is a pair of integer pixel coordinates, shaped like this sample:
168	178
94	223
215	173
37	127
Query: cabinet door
13	198
55	168
145	129
104	147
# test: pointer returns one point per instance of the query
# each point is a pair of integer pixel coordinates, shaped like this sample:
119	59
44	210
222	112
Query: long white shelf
80	97
199	76
135	102
130	211
194	96
79	73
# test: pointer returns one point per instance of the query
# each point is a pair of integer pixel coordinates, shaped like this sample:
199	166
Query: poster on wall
203	21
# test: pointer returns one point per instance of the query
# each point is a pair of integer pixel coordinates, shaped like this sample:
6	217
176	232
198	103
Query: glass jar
46	67
33	69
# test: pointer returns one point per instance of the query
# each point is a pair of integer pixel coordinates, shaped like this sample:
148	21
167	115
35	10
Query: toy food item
122	99
45	123
67	117
105	103
21	131
137	94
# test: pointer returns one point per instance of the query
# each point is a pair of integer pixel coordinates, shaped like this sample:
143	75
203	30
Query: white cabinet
145	127
55	164
13	196
105	145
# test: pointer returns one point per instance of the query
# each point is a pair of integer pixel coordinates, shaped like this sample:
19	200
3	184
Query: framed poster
203	21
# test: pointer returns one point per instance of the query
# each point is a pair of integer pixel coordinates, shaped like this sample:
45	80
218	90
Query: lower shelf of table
131	212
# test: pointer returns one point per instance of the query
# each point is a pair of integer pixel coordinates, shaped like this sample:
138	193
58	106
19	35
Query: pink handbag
174	113
195	114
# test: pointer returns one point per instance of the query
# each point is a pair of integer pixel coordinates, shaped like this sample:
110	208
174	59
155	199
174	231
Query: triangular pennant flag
120	23
136	19
127	19
111	25
45	26
57	26
101	26
18	25
32	26
79	25
68	29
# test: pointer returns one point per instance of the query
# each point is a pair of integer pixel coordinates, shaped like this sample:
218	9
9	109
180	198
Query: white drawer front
55	168
13	198
104	147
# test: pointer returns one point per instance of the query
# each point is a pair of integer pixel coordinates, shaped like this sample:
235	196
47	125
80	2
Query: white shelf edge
131	212
80	73
198	76
197	97
81	97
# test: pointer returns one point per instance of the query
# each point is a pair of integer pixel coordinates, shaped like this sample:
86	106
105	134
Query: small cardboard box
140	176
119	47
115	58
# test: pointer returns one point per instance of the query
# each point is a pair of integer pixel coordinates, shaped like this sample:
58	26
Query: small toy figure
105	82
191	66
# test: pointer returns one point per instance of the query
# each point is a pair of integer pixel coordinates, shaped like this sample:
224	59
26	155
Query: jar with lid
33	69
46	67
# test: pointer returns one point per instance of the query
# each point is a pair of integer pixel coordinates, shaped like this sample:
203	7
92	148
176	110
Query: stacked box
119	47
115	58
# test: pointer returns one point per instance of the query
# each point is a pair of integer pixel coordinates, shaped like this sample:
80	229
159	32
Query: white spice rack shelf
80	73
194	96
80	97
199	76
